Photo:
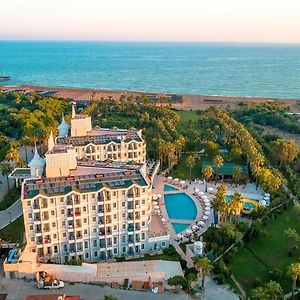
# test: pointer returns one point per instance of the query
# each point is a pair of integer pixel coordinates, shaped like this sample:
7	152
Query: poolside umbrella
176	179
263	202
195	227
156	207
188	231
205	217
158	195
266	198
207	208
182	182
170	178
210	189
197	190
267	195
200	223
206	201
207	212
163	220
204	197
201	193
154	198
179	235
155	203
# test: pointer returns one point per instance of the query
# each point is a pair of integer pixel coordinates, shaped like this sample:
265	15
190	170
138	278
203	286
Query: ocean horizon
229	69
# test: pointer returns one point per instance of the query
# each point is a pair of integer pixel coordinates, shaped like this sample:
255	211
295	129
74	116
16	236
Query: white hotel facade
90	198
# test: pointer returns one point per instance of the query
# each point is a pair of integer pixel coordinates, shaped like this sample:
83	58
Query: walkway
11	214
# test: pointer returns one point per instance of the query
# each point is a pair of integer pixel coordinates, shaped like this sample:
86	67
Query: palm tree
207	173
190	162
219	161
237	174
218	202
259	293
203	267
13	153
235	204
6	169
294	273
273	289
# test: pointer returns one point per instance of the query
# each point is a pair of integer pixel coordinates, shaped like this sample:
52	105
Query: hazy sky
154	20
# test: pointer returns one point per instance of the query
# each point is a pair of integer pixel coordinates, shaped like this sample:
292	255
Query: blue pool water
168	188
178	227
246	205
180	206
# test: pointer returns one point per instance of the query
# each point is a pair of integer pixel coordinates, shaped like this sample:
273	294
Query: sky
259	21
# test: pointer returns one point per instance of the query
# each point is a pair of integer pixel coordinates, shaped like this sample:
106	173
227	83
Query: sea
190	68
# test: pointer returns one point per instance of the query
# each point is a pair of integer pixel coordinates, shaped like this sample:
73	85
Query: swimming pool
180	206
168	188
247	205
179	227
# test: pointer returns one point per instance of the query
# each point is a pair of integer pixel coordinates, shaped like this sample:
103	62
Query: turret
63	128
36	165
50	141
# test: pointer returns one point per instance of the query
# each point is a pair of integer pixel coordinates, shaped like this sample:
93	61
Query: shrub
178	280
276	274
257	282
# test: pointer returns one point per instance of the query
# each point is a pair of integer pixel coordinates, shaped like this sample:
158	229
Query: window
163	244
115	216
143	212
53	224
123	215
86	255
115	205
123	204
93	207
86	245
62	212
114	193
32	238
65	248
94	230
143	235
115	239
52	213
123	238
61	199
31	227
84	208
95	243
115	250
94	219
115	227
95	253
30	215
85	220
64	234
143	201
143	246
124	226
124	249
51	200
54	236
143	223
63	223
28	203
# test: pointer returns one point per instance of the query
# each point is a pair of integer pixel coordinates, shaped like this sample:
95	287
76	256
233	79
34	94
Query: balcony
47	241
69	202
108	231
130	241
130	228
77	213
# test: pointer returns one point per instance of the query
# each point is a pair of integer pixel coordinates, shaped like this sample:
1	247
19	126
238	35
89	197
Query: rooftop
89	182
101	136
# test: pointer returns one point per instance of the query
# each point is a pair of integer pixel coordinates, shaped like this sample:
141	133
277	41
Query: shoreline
189	101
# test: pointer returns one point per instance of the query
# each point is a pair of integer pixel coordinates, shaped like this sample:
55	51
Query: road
17	289
10	214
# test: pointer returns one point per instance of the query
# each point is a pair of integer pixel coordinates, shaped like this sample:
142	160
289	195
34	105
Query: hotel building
90	198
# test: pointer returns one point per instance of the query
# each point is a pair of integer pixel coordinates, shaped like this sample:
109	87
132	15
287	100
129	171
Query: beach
189	102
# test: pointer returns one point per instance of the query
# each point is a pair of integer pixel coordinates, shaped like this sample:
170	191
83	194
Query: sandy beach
190	102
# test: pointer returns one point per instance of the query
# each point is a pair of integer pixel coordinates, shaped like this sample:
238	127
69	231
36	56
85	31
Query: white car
54	285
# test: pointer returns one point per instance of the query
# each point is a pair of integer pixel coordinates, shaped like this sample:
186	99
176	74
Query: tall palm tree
218	202
294	273
203	267
235	204
6	169
237	174
207	173
190	162
13	153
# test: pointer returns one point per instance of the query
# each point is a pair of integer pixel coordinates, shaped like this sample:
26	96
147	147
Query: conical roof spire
37	159
63	128
50	141
73	110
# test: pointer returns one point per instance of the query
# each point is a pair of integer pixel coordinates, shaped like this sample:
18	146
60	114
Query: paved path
11	214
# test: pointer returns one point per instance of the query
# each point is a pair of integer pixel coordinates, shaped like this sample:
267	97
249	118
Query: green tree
237	174
211	148
207	173
293	239
203	267
178	280
284	151
259	293
190	162
273	289
294	273
218	202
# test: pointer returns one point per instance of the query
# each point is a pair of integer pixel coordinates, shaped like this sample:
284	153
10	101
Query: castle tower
50	141
36	165
63	128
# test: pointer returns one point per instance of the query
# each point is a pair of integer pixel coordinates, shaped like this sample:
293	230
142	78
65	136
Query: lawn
261	256
183	172
10	198
185	117
14	231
